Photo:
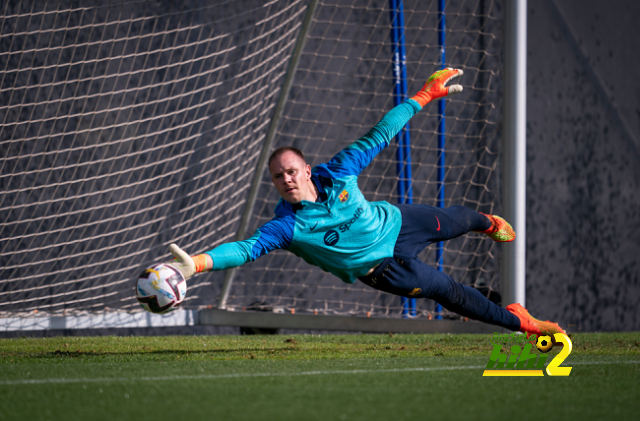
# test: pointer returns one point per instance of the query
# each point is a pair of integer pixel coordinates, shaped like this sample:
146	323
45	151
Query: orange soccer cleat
500	229
531	325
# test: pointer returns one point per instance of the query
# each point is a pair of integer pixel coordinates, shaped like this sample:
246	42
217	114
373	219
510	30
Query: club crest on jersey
344	196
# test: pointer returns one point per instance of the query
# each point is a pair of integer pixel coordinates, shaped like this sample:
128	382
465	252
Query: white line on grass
239	375
232	376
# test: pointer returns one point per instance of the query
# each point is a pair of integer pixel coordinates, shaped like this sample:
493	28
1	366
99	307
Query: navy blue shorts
405	275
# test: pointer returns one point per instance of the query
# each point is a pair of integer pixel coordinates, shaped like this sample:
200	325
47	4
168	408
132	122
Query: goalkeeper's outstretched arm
355	157
275	234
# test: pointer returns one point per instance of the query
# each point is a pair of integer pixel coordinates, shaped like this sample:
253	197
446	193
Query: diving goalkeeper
324	219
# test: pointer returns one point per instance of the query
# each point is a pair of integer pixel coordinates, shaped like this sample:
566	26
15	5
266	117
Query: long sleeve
355	157
275	234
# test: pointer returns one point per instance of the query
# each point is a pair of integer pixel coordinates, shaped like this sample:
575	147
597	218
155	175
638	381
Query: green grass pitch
308	377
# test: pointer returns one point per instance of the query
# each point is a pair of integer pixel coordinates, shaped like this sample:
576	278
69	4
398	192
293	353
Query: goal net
132	125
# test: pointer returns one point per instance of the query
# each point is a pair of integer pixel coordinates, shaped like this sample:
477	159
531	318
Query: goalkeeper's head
291	175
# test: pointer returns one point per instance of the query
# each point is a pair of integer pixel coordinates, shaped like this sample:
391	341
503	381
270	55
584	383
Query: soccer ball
544	343
161	289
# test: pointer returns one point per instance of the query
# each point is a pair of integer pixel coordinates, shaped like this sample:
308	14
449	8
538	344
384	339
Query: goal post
127	127
514	147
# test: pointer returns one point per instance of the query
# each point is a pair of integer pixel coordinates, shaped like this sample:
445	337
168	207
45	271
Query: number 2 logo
554	369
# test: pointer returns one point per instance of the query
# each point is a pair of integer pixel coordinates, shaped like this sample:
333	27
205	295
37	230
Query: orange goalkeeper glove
434	88
188	265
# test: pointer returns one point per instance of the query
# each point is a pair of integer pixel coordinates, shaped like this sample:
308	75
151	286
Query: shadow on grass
166	352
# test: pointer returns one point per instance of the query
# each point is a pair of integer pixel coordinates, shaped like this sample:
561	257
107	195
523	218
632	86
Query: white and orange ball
161	289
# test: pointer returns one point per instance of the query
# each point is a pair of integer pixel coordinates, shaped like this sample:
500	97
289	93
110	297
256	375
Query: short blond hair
280	151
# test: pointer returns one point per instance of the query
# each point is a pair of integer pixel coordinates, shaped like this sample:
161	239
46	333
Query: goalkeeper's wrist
203	263
422	98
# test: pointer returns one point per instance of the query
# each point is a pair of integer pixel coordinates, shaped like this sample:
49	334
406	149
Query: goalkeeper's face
292	177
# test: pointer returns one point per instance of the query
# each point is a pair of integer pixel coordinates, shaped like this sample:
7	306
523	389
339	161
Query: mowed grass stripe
248	375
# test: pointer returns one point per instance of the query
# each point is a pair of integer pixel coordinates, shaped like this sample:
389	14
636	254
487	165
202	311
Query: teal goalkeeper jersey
342	233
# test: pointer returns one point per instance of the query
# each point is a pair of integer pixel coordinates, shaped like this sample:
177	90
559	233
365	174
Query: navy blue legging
405	275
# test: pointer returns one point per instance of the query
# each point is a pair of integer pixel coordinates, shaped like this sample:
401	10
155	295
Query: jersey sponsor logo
344	196
331	238
347	225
